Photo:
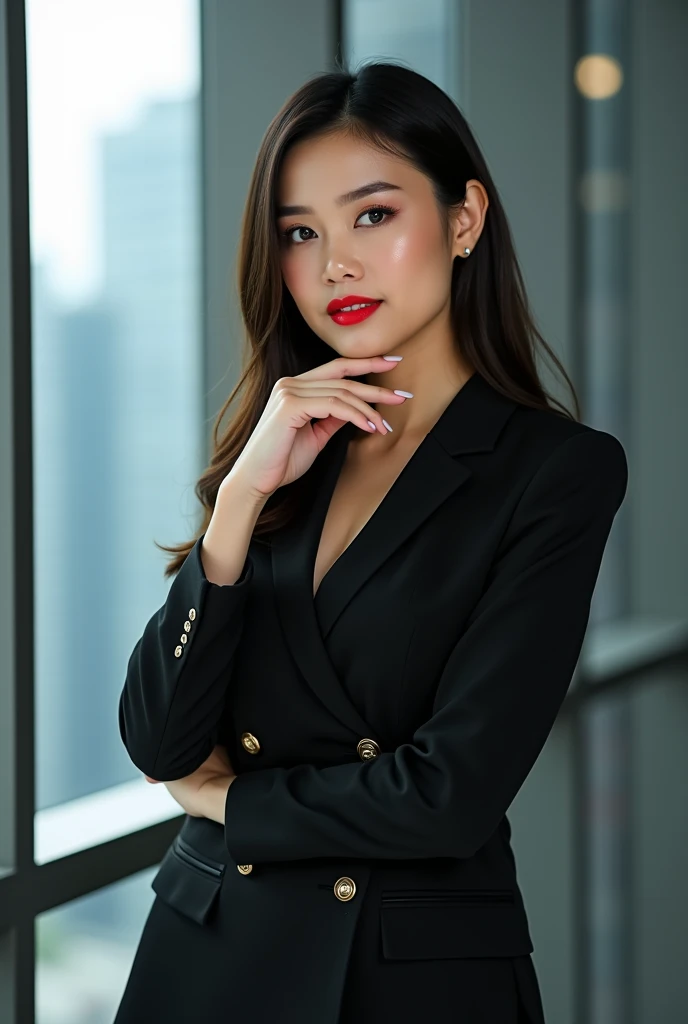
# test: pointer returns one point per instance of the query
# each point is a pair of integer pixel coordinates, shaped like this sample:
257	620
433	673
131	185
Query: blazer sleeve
174	691
444	793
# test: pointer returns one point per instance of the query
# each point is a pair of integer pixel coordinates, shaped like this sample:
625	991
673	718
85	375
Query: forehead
318	171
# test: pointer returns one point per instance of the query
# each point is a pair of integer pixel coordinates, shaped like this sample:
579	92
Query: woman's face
400	255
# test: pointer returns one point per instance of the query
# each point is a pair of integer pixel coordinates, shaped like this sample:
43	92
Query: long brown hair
403	113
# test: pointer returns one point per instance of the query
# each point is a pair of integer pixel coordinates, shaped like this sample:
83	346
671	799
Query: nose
335	270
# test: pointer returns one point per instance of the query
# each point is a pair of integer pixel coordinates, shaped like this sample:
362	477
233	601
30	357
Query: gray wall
660	349
255	55
660	499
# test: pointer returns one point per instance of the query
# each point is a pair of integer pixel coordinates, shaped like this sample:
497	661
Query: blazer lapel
293	551
427	480
470	423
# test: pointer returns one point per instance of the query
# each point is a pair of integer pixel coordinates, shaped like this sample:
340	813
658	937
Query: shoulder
573	458
543	436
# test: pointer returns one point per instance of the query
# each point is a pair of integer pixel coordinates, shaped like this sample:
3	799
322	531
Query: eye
389	212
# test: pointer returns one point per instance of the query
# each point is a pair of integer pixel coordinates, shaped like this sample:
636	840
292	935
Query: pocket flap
444	930
187	882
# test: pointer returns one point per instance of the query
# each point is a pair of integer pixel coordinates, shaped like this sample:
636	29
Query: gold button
187	626
250	742
245	869
183	638
345	889
367	749
192	613
178	651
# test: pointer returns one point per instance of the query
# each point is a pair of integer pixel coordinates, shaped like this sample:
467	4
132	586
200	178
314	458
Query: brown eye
290	231
387	211
375	210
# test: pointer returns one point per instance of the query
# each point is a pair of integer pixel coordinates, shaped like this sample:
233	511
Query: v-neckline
325	500
435	473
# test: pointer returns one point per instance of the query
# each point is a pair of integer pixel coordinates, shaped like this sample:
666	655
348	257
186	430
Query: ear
468	218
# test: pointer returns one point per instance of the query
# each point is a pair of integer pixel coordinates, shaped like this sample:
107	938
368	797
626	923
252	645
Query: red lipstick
353	316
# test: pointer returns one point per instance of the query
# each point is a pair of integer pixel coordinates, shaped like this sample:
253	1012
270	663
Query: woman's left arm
444	793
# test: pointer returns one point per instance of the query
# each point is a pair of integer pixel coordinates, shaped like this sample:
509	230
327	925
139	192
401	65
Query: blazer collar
471	423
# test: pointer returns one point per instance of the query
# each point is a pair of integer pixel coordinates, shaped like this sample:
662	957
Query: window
113	162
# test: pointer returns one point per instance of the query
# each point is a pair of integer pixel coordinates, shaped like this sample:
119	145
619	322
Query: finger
368	392
343	394
300	410
344	366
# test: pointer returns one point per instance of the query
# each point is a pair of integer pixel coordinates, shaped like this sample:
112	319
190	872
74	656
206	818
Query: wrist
234	488
213	795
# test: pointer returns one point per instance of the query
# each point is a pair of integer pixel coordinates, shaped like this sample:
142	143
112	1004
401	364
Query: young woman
364	649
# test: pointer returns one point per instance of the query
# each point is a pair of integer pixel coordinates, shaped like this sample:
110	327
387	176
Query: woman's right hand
285	443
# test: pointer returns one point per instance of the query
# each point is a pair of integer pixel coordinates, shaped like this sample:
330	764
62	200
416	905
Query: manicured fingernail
371	424
387	425
406	394
394	358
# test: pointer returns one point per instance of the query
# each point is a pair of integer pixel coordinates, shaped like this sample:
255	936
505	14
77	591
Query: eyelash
287	233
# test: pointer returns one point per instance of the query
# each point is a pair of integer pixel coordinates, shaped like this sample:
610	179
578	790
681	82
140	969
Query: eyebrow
349	197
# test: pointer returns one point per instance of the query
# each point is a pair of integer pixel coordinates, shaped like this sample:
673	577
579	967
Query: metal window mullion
19	675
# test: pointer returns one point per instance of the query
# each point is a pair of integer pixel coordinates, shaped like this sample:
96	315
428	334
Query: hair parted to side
389	106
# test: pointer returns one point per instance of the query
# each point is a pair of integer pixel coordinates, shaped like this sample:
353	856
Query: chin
367	350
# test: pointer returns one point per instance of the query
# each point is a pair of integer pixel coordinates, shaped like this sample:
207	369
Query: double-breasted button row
367	749
249	742
179	649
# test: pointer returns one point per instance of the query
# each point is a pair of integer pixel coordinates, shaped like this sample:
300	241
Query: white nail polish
387	425
393	358
406	394
371	424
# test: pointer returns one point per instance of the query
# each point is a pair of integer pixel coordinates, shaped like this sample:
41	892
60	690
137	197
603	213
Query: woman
363	651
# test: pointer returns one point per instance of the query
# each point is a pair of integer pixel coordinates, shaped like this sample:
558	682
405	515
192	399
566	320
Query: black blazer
379	732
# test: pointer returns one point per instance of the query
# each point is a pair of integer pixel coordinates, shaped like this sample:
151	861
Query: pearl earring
467	251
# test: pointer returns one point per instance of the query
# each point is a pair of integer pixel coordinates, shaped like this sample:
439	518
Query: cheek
295	277
415	265
301	280
412	253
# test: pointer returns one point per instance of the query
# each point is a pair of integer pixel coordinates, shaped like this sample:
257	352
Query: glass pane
113	137
85	949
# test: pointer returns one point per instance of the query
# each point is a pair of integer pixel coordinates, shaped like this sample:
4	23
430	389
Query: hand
187	791
284	442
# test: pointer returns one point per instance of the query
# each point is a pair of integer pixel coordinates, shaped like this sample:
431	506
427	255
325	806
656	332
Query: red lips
348	300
